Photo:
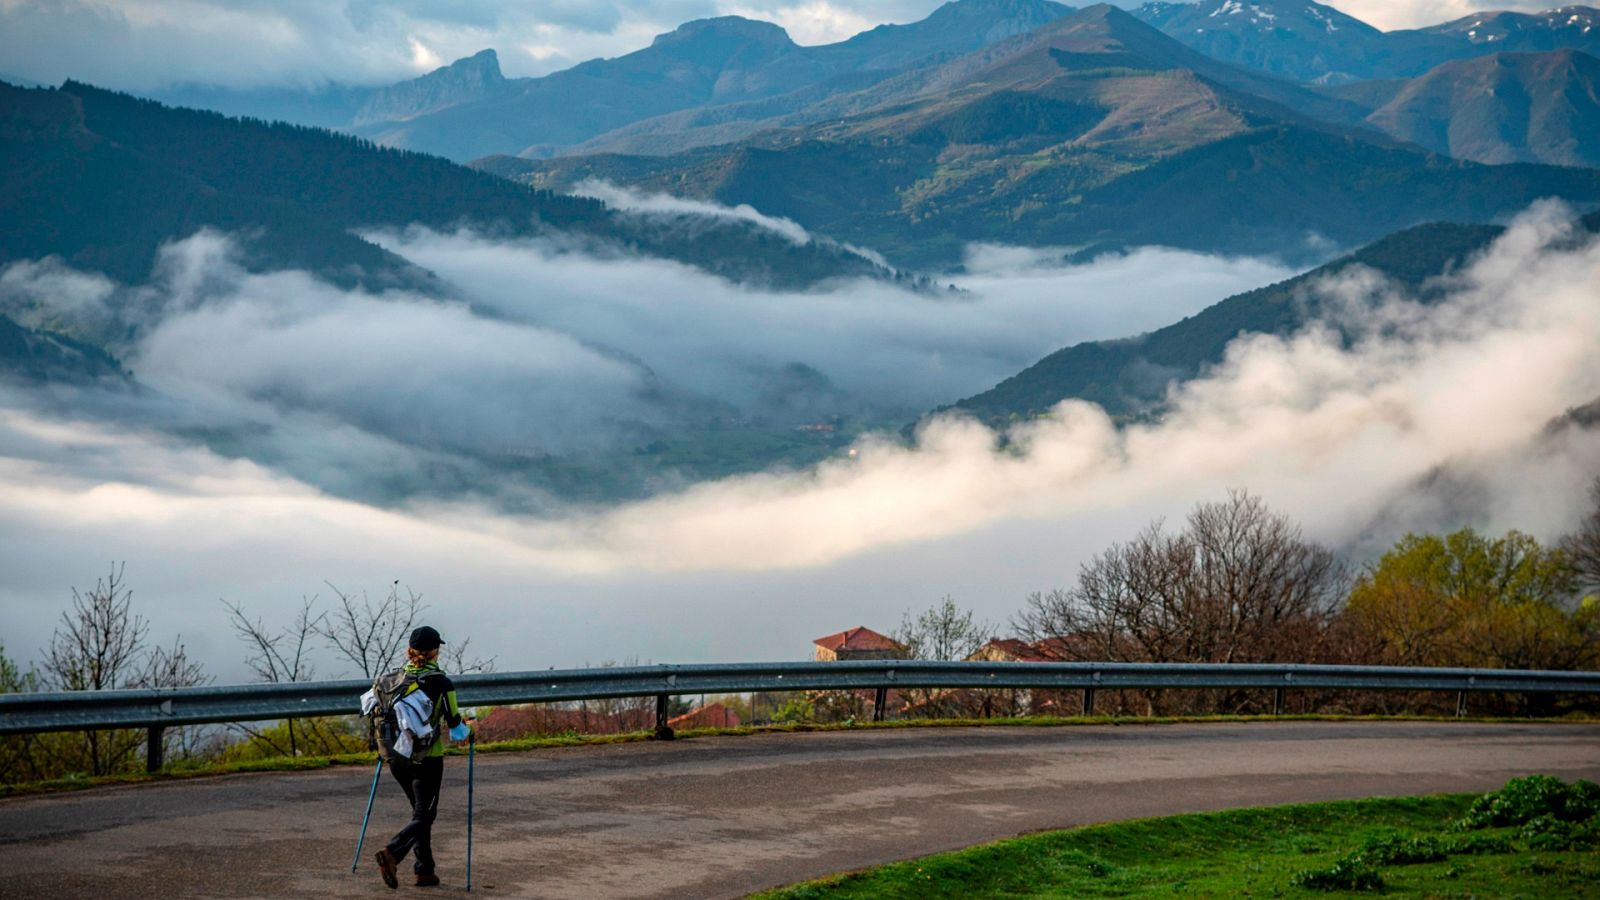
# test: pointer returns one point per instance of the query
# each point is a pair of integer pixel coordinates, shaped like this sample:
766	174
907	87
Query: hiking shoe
386	868
429	880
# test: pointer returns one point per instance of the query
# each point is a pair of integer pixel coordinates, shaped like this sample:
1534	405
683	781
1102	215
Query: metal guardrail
159	709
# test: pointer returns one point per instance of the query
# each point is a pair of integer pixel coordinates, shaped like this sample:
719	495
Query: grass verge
181	770
1529	840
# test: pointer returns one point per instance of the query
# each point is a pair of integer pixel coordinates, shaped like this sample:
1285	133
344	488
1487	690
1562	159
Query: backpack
385	724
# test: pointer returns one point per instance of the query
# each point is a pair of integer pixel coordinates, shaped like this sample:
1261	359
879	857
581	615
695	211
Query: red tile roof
1014	648
1056	649
859	638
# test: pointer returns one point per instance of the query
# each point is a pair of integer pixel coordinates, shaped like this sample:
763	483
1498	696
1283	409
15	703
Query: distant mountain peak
1499	23
736	27
1295	16
481	68
1102	19
988	9
463	81
997	19
483	61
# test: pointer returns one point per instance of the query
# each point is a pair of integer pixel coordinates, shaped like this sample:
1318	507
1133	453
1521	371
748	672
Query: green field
1534	838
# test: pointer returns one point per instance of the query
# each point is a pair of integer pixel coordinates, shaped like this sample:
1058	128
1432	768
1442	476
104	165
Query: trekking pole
472	746
354	861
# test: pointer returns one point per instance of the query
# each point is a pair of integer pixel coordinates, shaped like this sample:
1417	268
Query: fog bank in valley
1342	437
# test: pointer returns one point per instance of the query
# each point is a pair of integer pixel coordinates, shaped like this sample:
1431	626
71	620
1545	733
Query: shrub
1552	834
1524	799
1402	851
1348	874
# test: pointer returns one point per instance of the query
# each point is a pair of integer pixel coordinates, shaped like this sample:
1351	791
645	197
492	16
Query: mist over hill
1132	378
1341	431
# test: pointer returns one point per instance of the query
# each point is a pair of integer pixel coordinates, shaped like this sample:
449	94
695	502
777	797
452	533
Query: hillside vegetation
1534	838
1094	129
103	179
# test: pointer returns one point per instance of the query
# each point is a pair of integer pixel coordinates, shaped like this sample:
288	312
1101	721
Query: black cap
424	638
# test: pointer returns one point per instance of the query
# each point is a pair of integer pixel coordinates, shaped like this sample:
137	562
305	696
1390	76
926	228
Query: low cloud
1349	439
639	203
537	351
896	351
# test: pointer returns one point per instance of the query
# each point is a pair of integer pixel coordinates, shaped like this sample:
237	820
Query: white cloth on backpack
414	713
369	702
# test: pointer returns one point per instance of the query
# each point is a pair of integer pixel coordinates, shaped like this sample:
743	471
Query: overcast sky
148	44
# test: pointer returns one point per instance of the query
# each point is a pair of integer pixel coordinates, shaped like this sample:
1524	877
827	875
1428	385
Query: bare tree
171	667
1583	546
99	646
1238	584
370	635
606	715
279	656
99	642
458	659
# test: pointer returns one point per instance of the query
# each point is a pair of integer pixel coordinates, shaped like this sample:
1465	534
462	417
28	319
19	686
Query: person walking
421	779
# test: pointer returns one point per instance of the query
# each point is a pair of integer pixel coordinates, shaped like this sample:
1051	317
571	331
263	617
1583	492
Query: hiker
426	700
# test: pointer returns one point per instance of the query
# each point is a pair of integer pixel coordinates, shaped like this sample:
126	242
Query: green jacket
433	682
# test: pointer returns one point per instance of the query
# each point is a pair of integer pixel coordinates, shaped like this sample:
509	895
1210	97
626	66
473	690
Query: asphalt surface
720	817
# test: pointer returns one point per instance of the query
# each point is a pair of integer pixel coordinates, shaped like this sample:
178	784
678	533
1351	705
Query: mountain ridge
468	109
1312	42
1095	129
153	174
1502	108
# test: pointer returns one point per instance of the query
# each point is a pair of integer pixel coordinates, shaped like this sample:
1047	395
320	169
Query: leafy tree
13	680
19	752
1465	599
795	709
943	631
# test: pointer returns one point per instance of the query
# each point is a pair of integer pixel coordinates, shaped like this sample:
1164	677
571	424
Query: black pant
420	781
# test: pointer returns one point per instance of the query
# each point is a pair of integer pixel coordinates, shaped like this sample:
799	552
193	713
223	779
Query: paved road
721	817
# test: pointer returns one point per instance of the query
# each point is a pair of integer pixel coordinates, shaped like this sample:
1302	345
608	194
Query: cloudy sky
149	44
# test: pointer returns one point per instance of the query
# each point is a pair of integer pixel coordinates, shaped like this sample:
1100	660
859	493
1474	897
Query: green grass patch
1407	847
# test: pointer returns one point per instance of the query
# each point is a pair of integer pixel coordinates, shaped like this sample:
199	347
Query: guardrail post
152	749
663	731
1088	701
880	699
1277	702
1461	704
